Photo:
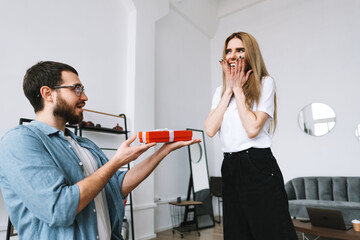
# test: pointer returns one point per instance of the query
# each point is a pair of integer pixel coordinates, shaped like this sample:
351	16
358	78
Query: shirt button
69	146
97	237
80	163
94	210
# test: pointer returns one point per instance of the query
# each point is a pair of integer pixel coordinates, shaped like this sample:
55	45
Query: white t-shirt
102	211
232	134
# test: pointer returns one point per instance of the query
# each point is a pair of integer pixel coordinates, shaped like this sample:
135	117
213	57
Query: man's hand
169	147
126	153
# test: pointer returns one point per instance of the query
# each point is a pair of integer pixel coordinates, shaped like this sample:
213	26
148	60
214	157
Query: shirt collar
49	130
71	134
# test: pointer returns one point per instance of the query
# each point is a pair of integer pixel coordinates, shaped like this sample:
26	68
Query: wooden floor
215	233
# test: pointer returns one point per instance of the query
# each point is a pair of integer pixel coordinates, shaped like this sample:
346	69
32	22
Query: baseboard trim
144	206
151	236
163	228
3	228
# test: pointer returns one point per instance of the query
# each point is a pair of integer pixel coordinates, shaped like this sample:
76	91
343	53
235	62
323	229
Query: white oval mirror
195	152
357	132
317	119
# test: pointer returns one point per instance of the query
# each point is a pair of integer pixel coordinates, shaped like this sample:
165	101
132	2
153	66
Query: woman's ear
46	93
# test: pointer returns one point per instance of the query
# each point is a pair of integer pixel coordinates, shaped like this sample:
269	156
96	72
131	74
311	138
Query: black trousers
255	203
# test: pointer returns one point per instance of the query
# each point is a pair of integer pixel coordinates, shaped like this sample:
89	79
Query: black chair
216	191
10	230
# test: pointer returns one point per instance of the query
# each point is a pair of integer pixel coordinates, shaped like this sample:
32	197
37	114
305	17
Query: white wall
311	49
148	12
85	34
182	94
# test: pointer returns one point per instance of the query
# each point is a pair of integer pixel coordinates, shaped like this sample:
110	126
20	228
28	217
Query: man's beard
67	112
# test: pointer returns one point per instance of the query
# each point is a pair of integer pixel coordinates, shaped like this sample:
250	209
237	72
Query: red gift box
165	135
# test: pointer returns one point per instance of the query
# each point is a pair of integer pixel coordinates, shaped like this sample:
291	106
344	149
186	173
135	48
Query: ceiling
205	14
227	7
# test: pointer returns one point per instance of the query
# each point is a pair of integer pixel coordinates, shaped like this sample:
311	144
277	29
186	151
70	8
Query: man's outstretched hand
176	145
126	153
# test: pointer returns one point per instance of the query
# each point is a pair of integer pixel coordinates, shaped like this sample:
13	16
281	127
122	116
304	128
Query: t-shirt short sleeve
266	102
216	98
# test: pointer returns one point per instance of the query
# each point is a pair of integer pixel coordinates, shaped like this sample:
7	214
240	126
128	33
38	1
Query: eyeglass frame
79	89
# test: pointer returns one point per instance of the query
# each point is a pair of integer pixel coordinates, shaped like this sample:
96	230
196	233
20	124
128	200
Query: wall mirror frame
317	119
199	184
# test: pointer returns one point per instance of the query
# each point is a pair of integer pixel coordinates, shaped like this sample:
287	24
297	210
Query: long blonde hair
254	61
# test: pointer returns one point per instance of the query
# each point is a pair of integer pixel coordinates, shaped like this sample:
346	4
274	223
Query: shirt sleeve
266	102
120	177
34	181
216	97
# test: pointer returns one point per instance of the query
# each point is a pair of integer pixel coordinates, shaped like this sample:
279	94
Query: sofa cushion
353	189
311	188
340	189
325	188
350	210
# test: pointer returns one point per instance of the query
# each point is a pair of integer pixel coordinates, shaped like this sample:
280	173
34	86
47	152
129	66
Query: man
60	186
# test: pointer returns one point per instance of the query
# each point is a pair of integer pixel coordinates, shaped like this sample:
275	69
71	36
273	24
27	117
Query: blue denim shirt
39	170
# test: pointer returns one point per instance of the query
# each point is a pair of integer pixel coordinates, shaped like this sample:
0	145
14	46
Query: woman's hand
228	75
238	75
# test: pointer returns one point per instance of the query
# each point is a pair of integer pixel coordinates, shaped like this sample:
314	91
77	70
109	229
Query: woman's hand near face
240	78
228	75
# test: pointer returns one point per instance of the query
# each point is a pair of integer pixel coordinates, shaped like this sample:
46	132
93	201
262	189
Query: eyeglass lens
79	90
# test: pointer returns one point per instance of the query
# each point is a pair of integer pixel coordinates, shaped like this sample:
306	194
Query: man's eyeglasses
79	89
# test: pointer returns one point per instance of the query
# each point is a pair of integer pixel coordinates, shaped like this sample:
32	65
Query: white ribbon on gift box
171	134
144	137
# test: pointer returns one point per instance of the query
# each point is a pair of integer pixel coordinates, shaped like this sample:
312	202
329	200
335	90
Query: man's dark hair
43	74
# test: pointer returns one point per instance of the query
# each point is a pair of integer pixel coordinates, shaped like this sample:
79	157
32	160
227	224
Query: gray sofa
341	193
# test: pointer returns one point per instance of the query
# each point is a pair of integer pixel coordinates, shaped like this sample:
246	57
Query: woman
255	204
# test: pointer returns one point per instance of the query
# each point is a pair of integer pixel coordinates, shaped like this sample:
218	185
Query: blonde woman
243	111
